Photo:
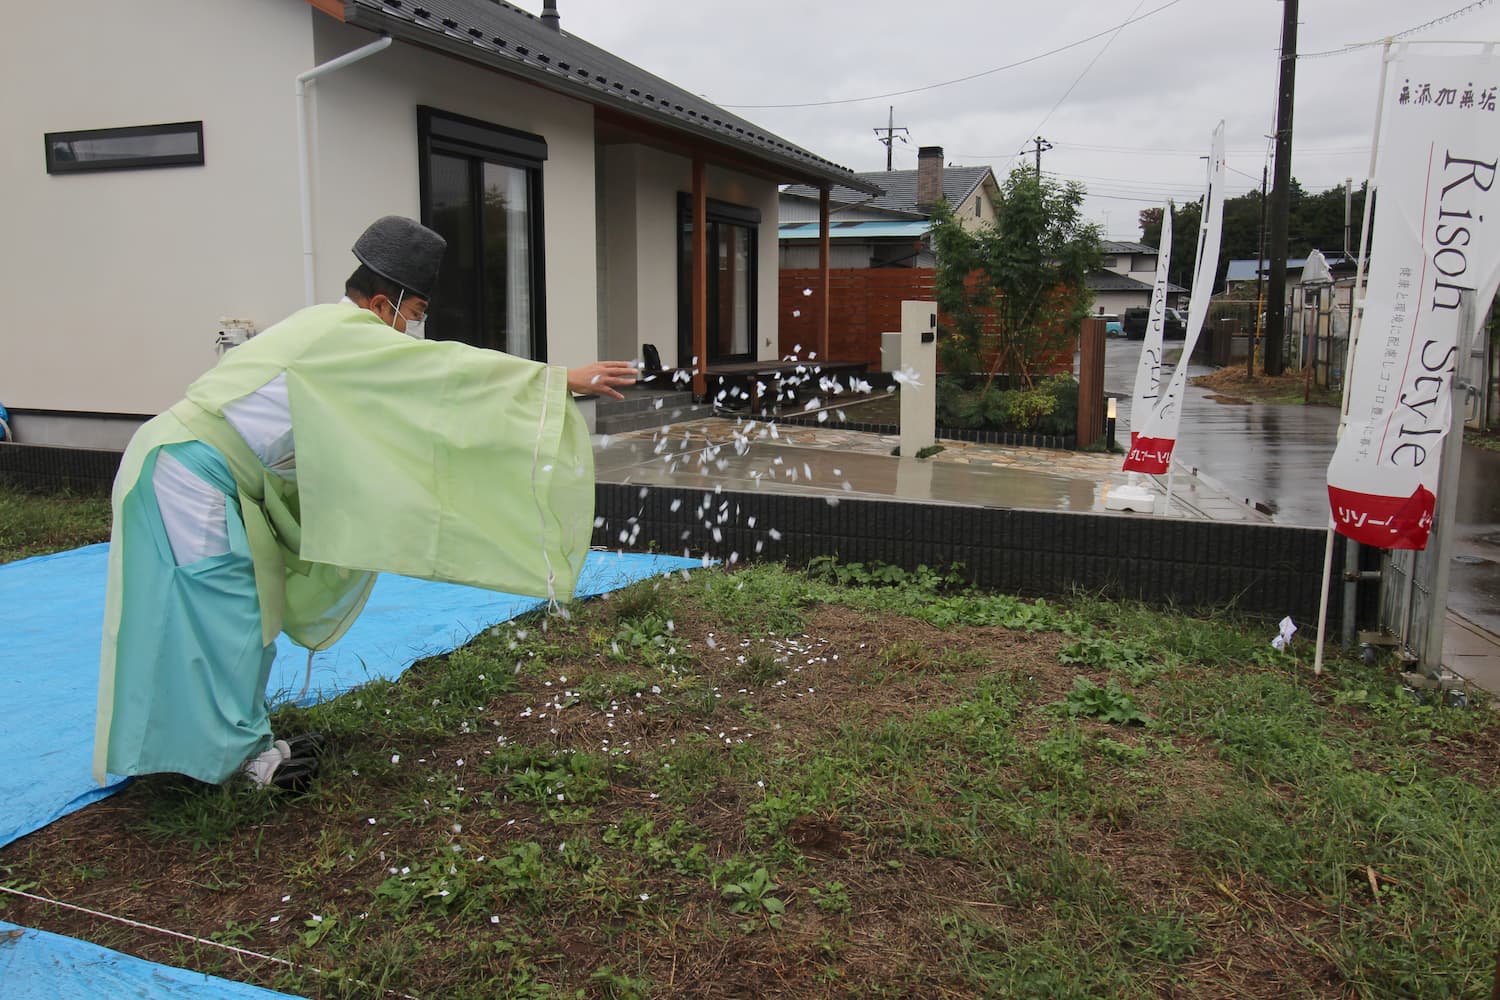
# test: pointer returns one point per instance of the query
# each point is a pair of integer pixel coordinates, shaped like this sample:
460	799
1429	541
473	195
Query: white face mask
414	328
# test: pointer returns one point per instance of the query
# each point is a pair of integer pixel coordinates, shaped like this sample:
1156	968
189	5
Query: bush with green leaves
1048	407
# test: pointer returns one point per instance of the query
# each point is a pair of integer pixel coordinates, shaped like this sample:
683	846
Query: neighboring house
1126	279
1242	273
889	229
567	181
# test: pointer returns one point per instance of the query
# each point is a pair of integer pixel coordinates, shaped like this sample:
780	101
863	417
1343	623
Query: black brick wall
1259	569
39	467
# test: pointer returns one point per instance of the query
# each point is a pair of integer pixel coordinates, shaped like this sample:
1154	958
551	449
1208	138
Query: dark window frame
60	166
715	213
444	132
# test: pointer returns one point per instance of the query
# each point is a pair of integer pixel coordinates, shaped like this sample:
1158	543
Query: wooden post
823	271
1091	383
700	279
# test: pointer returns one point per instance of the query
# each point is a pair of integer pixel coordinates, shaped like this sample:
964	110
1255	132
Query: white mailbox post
919	377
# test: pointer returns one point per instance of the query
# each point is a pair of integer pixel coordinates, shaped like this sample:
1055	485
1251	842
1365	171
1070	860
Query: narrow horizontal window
179	144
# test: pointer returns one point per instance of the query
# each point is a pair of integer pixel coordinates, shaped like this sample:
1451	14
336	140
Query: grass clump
33	524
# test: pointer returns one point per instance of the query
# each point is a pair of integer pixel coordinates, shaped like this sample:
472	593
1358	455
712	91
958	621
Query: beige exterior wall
367	165
1115	303
642	185
114	282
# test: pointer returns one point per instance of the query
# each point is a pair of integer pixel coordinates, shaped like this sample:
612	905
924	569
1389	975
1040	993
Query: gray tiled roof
1112	281
900	189
1111	246
519	43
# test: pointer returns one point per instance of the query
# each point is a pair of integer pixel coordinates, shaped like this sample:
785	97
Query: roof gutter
304	155
464	48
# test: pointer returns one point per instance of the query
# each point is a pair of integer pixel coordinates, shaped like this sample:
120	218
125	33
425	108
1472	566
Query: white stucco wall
114	282
367	166
1116	303
642	185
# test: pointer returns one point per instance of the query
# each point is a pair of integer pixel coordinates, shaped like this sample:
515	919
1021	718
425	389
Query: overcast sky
1129	114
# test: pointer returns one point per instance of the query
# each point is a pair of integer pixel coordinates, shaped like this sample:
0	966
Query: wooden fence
864	302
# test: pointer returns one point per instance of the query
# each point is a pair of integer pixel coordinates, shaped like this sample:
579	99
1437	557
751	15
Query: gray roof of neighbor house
900	189
1113	246
517	42
1113	281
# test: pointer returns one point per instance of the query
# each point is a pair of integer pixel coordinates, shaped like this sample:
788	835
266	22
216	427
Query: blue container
4	424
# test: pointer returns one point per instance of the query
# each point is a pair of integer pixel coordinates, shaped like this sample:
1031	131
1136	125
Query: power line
1468	9
1158	151
1077	80
962	79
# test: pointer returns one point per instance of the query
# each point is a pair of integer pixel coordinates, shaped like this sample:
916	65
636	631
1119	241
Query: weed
650	640
831	898
752	894
1107	704
203	816
760	667
642	599
618	986
763	598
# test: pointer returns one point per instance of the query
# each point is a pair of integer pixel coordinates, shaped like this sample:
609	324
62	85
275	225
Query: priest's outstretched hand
601	378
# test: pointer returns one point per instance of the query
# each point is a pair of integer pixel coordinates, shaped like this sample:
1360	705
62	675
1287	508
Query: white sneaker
260	768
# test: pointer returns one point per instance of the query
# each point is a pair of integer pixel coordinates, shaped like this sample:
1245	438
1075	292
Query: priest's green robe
430	459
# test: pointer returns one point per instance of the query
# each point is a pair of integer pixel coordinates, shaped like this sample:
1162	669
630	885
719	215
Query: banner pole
1356	321
1323	599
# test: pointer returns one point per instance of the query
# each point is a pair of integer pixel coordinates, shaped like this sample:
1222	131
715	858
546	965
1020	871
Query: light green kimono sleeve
438	460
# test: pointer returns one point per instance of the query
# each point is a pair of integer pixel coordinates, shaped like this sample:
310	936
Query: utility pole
1260	266
1281	192
1042	145
890	137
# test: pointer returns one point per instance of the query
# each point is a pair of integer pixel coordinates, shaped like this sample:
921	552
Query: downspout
304	156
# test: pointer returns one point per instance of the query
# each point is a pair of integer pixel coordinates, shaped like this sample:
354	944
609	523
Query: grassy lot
32	524
853	781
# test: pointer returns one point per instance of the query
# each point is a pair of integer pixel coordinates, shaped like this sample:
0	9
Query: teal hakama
195	631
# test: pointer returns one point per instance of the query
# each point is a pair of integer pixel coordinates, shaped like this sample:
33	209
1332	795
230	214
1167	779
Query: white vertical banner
1148	368
1435	185
1151	447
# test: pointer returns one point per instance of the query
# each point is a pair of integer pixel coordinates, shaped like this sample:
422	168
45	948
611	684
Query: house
208	164
1240	274
888	228
1126	279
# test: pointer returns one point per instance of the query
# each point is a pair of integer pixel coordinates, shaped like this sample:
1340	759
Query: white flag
1435	180
1148	368
1151	448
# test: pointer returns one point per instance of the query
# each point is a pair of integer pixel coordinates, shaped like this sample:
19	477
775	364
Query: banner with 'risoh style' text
1435	188
1153	438
1148	364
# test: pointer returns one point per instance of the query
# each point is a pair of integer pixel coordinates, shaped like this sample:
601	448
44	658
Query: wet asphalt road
1276	457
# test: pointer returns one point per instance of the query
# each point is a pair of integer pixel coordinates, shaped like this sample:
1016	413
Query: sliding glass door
481	190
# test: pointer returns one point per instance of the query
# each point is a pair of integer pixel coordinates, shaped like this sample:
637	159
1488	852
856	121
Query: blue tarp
36	965
53	610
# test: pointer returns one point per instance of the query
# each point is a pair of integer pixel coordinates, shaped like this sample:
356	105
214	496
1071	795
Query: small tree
1013	292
